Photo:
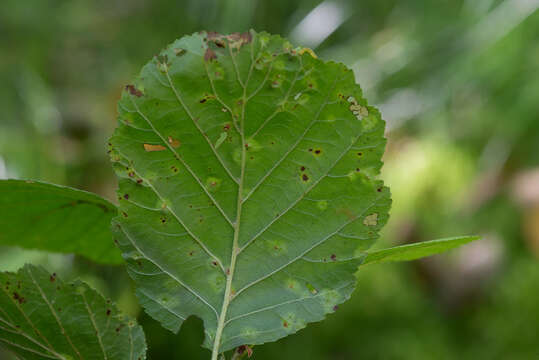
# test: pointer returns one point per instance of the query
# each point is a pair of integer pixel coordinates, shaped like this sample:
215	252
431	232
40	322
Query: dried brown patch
150	147
133	90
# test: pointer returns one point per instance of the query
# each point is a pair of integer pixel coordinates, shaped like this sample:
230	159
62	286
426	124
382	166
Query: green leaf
38	215
41	317
416	250
264	234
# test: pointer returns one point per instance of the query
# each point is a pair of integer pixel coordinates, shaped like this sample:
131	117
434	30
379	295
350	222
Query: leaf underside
41	317
248	182
38	215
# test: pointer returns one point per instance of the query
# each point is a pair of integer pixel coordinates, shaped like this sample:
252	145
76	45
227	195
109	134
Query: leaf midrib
230	276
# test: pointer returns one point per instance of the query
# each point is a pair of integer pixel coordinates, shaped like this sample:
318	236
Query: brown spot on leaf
333	257
336	307
304	177
126	196
21	300
108	312
246	37
133	90
174	142
209	55
150	147
243	348
302	168
53	277
285	324
213	35
346	212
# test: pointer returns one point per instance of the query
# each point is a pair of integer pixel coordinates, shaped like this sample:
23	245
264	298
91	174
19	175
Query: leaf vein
187	287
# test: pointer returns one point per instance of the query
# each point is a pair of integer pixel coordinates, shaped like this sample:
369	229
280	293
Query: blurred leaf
417	250
298	165
41	317
38	215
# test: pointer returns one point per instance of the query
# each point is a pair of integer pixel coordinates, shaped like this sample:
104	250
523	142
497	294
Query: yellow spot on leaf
322	204
371	220
150	147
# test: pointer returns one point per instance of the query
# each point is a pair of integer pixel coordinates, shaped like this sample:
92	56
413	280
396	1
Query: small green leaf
41	317
263	234
38	215
416	250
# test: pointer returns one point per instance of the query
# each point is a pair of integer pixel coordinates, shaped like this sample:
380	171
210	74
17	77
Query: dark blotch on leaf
180	52
19	298
304	177
133	90
333	257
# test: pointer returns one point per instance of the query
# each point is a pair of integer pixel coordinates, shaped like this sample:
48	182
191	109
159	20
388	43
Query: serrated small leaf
41	317
417	250
263	234
38	215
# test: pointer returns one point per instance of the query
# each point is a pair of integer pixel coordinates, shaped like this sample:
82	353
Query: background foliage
458	83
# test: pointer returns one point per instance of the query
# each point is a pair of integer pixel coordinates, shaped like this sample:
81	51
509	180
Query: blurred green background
457	82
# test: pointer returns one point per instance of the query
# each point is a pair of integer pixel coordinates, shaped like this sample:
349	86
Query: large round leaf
248	182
